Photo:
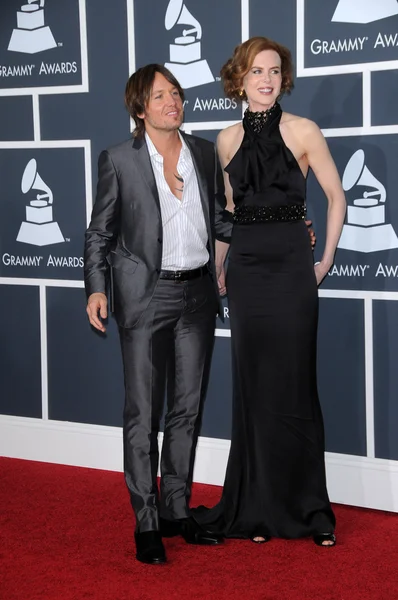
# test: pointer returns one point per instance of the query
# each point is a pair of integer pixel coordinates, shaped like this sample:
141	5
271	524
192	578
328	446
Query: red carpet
67	533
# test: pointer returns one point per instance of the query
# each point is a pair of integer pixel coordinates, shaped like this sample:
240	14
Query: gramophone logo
366	229
186	63
364	11
39	229
31	34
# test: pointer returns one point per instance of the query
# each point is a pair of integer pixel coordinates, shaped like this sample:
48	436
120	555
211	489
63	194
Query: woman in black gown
275	482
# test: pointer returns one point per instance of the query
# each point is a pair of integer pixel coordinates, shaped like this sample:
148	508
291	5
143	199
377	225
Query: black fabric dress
275	482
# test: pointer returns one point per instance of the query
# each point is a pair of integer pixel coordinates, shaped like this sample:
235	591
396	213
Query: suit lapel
197	160
144	166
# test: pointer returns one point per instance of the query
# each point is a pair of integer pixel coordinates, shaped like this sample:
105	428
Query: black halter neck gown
275	482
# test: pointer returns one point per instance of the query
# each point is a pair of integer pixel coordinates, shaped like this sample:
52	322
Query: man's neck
165	142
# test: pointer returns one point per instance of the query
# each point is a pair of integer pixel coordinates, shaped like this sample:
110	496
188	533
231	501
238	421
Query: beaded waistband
261	214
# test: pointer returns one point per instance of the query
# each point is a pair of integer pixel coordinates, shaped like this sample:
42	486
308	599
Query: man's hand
221	255
220	272
311	233
97	303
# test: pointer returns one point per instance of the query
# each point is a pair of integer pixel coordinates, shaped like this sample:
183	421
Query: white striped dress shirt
184	228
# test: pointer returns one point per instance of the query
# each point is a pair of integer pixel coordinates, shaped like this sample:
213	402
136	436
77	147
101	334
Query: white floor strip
352	480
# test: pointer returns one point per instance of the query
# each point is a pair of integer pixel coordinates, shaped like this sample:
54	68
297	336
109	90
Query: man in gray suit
159	207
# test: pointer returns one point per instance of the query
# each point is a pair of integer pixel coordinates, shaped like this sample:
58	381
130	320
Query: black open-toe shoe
266	538
320	538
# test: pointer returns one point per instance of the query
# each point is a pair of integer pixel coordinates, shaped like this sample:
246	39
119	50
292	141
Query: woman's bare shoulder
230	133
229	139
299	125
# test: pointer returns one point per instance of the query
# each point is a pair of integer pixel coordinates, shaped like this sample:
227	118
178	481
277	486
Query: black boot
150	548
169	528
193	533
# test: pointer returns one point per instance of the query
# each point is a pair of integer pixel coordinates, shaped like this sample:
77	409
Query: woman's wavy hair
138	92
234	70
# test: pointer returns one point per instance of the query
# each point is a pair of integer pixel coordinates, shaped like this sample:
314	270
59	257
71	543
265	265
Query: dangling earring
241	93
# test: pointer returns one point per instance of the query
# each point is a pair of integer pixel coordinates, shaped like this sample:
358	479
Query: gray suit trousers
168	349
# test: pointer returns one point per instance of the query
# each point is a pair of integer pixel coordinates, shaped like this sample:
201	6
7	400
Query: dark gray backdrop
84	368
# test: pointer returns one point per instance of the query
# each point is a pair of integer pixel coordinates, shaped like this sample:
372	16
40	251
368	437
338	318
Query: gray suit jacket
124	239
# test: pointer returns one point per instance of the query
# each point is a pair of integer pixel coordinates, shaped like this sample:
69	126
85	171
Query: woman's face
263	82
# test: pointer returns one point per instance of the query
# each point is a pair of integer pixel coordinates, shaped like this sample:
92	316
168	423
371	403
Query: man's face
164	110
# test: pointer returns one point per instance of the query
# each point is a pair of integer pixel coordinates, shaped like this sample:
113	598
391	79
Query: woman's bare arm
325	171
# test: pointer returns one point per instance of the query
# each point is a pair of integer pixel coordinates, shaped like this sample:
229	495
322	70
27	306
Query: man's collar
152	148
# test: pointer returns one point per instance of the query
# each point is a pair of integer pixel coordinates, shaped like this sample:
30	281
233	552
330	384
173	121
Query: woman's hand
321	270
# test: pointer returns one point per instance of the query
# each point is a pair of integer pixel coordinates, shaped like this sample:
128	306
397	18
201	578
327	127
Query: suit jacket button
157	270
160	240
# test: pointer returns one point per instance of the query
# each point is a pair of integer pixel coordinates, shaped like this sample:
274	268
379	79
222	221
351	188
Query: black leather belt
184	275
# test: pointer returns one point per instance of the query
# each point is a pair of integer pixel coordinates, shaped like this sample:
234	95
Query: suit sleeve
104	226
223	217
